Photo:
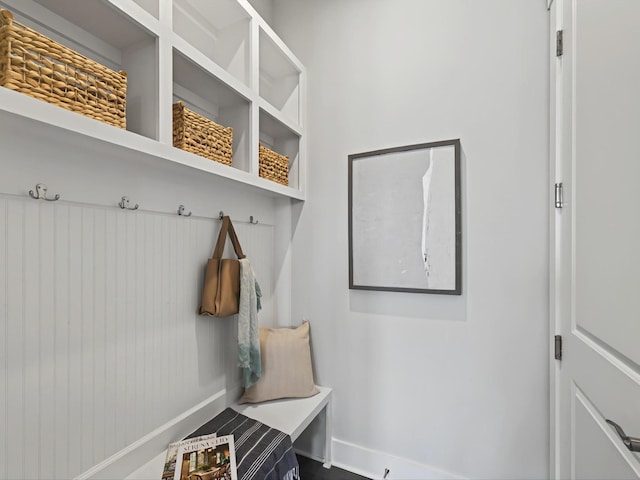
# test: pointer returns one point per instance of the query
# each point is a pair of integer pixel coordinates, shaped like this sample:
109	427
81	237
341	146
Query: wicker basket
273	166
34	64
197	134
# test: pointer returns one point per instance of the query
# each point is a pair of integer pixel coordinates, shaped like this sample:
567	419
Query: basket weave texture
33	64
273	166
197	134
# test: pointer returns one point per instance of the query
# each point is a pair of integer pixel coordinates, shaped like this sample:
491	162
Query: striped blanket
262	452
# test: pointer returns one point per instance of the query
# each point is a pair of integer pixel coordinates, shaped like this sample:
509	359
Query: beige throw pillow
286	365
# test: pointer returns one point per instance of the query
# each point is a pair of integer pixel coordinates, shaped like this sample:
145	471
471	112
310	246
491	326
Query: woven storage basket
273	166
197	134
33	64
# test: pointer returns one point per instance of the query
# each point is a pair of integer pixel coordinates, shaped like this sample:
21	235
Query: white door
595	293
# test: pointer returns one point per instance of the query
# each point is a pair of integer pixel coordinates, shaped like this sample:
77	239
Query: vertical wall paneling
47	338
4	339
87	323
262	262
154	316
15	324
62	358
99	333
31	339
171	350
283	286
110	331
120	320
140	292
77	433
101	340
129	238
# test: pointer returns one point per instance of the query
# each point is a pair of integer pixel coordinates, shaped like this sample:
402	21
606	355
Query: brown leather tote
221	293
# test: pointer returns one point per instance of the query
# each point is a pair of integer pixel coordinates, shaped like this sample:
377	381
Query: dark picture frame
405	219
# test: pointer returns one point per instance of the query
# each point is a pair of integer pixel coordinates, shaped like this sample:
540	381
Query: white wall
451	383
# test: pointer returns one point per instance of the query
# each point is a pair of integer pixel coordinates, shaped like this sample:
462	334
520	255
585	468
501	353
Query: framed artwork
405	232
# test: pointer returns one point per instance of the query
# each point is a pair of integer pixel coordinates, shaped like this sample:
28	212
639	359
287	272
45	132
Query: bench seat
291	416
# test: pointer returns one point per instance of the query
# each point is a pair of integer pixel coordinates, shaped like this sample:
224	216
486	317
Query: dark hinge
559	46
559	202
558	347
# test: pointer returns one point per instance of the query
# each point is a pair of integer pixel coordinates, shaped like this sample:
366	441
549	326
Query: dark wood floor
312	470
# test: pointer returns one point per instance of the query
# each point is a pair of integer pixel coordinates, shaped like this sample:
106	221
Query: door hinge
558	347
559	201
559	44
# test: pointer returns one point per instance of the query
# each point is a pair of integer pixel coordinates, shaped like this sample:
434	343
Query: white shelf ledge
42	116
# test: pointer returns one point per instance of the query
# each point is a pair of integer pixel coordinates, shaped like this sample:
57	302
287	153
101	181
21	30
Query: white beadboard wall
101	341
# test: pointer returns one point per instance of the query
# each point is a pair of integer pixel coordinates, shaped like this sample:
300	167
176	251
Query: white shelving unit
219	57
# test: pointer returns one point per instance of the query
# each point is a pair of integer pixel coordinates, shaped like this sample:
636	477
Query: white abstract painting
404	219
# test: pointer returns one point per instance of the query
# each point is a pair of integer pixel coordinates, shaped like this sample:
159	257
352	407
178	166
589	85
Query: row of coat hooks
41	194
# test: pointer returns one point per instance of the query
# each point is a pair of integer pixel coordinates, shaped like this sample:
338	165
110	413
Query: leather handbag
221	293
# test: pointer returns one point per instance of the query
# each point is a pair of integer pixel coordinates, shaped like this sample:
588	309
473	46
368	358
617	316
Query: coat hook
221	215
252	221
124	204
181	211
41	193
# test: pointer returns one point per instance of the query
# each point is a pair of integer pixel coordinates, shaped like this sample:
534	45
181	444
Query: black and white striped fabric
262	452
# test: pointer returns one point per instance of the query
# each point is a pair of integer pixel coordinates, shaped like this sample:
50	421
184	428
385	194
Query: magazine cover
172	452
206	459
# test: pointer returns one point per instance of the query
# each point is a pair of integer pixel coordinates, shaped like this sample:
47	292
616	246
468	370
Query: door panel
607	171
596	456
596	282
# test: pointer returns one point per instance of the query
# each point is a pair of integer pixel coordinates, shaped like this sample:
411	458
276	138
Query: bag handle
227	228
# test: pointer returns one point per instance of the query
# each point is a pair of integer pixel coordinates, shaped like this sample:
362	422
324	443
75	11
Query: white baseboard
372	464
130	458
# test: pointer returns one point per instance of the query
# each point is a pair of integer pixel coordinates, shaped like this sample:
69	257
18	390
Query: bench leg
328	434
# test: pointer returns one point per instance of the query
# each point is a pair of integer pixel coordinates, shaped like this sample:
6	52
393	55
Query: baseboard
372	464
127	460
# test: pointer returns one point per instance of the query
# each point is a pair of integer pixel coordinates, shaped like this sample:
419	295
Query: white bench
291	416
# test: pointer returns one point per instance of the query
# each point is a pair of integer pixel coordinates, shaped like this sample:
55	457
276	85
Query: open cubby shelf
195	51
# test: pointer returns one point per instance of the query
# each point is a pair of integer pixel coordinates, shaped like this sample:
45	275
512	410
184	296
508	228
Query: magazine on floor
172	453
206	459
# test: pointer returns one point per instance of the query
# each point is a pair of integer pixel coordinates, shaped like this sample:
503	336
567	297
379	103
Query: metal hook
181	211
41	193
124	204
252	221
221	215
